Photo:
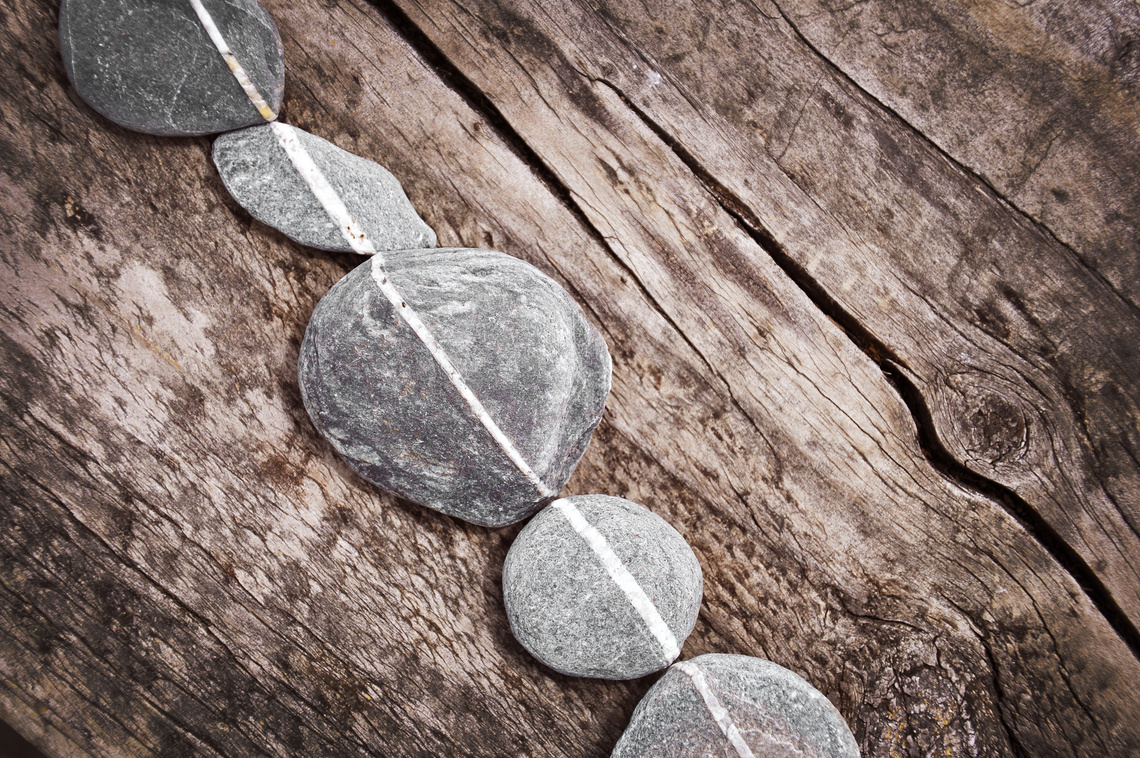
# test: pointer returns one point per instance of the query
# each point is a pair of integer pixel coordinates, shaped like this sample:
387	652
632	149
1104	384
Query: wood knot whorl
987	420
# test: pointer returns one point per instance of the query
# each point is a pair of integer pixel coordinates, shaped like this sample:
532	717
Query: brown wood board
1011	340
188	567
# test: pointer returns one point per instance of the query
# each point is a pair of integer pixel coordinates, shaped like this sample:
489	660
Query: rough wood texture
1039	99
1015	345
796	285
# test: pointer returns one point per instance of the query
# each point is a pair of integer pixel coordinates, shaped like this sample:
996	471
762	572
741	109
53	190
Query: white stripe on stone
719	712
232	61
359	242
321	189
621	576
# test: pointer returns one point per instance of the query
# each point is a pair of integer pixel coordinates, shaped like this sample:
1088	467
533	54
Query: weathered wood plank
1026	359
1057	84
188	567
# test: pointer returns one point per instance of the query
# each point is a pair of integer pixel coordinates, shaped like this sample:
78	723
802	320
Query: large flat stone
518	340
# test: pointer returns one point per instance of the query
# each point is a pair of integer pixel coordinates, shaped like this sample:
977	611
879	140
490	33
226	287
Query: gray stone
258	173
568	611
149	65
519	341
776	712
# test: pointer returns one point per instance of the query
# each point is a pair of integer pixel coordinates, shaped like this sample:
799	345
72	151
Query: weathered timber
1041	99
1026	360
187	567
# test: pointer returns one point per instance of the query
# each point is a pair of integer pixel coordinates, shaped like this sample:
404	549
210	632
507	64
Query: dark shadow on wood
13	745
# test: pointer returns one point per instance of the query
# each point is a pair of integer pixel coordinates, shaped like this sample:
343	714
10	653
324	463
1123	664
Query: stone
599	586
151	66
516	340
735	706
258	173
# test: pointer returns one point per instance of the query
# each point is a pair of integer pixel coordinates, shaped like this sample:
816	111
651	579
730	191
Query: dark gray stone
778	714
149	65
259	175
567	610
521	343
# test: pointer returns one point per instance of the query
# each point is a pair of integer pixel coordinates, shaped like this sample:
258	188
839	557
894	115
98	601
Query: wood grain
1025	358
1058	84
189	569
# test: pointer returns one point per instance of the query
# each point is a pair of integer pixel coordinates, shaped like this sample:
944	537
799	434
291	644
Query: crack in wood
894	368
897	372
479	102
1011	734
1037	224
807	563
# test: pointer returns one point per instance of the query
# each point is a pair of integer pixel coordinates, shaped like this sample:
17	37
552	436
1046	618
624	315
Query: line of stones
761	688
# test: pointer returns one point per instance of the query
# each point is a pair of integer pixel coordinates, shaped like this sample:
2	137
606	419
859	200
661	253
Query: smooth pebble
735	706
573	611
259	175
518	342
152	67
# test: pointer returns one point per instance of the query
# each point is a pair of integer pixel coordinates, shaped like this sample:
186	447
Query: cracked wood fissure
186	567
1059	431
896	371
1065	155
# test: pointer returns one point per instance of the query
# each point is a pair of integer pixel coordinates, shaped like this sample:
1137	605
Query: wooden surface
869	276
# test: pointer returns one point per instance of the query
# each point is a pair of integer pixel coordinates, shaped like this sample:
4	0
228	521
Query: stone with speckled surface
258	174
151	66
777	713
567	611
519	341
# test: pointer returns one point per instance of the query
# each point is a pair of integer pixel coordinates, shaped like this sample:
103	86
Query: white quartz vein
359	242
621	576
719	712
232	61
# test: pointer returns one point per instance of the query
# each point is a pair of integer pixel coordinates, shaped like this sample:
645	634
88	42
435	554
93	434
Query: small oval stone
517	341
152	67
259	175
577	579
736	706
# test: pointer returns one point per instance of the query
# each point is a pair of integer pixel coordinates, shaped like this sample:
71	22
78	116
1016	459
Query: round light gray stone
518	340
257	172
150	66
777	713
567	610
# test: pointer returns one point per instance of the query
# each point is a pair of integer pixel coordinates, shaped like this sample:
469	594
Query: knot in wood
990	420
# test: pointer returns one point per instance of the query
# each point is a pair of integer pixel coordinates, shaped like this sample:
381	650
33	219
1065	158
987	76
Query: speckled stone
149	65
569	612
259	175
776	712
521	344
